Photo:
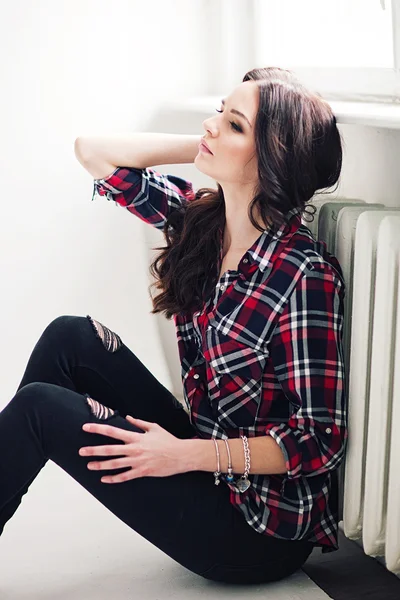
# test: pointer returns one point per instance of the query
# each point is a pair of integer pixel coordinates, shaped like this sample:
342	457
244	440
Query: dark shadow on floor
349	574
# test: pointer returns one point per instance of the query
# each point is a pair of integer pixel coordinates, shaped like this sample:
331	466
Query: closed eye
233	124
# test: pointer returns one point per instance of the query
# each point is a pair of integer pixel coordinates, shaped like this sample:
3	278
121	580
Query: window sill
373	114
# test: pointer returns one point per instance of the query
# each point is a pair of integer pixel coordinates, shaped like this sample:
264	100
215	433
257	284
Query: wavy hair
299	151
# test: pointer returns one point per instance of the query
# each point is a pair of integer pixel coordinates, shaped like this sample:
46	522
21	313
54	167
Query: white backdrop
69	69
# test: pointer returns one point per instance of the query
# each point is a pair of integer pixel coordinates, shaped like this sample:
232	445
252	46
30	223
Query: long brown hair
299	151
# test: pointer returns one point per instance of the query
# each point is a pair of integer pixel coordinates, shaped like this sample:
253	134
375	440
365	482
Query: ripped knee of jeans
110	340
99	410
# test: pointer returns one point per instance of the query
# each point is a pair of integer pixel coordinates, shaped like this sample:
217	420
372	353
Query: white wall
69	69
371	164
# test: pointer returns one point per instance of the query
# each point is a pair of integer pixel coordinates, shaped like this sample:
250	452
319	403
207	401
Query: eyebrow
236	112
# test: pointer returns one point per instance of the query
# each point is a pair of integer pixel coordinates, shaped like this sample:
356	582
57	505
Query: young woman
258	308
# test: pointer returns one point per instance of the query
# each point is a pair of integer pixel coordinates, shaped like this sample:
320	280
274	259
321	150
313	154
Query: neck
239	232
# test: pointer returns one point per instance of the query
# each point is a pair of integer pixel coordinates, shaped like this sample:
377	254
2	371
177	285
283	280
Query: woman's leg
44	421
83	355
185	515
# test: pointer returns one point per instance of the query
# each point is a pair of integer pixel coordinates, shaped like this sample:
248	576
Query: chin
196	164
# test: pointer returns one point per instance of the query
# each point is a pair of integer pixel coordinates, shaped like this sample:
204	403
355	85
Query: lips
203	143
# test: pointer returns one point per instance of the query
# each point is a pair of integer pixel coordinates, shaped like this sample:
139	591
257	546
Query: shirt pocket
235	376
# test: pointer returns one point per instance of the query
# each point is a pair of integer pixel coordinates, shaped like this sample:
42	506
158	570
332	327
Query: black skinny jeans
185	515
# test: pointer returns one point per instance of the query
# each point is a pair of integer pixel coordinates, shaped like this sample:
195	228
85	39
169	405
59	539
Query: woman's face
230	138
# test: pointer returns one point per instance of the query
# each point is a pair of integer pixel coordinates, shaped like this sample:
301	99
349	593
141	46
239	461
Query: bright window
324	33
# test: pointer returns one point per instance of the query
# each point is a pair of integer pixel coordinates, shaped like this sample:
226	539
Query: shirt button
328	430
196	376
222	288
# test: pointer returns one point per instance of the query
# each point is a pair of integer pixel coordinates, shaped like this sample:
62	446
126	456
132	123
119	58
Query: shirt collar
267	247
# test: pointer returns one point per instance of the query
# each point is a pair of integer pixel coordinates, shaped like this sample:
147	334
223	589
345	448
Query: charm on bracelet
243	484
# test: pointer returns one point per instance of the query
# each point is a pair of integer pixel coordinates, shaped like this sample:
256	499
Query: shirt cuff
288	443
109	186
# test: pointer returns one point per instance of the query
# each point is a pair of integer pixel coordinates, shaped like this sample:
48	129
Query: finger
105	465
109	431
145	425
114	449
121	477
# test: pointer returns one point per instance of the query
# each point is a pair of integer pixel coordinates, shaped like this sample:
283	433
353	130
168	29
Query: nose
209	127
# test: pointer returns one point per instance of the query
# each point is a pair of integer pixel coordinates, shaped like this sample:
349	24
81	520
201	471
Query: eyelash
234	126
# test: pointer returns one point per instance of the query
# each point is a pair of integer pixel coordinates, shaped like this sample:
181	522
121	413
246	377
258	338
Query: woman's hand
155	453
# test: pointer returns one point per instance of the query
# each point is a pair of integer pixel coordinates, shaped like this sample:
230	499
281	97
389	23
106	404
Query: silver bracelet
230	476
217	473
243	483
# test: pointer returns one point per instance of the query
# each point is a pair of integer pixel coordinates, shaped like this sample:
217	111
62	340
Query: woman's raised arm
138	150
142	190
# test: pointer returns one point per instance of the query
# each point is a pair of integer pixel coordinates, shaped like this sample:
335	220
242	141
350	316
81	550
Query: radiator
365	238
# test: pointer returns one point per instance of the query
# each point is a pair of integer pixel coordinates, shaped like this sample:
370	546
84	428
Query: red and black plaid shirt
264	357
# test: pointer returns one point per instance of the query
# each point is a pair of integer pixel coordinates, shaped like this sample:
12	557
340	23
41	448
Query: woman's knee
51	396
63	326
72	326
36	390
37	395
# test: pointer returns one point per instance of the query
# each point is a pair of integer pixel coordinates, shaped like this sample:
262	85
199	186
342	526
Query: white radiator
365	238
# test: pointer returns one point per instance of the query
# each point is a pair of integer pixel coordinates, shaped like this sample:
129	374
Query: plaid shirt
264	357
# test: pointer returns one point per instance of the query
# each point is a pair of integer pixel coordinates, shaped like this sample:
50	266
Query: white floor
62	543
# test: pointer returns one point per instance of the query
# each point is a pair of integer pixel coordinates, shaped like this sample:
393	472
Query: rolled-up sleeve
307	354
146	193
